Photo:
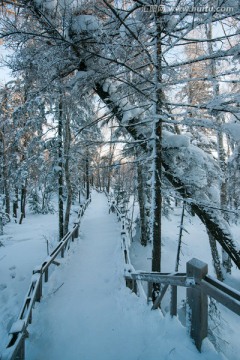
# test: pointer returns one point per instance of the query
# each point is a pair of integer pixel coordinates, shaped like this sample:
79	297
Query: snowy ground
24	247
87	312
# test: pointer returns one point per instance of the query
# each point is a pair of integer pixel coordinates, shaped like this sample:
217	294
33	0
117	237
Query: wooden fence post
21	352
80	212
173	304
38	270
19	329
46	275
132	285
76	232
197	302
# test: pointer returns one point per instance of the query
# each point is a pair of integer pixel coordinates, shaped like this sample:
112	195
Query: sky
4	71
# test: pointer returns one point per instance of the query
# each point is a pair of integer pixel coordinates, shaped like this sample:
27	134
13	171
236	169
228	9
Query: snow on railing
15	349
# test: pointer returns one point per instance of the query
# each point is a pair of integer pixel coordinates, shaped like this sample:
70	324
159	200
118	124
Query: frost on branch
197	170
175	141
233	130
84	23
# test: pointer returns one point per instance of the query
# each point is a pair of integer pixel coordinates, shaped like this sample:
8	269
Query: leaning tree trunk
226	261
215	257
180	239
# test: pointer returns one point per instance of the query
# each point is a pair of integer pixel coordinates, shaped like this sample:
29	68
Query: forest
137	98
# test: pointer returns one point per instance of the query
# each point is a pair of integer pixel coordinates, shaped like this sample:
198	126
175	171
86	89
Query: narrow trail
89	314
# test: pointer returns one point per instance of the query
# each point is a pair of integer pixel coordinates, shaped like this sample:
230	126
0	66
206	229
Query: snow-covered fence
133	284
15	349
199	286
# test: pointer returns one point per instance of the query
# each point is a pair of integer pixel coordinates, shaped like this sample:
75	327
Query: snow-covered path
89	314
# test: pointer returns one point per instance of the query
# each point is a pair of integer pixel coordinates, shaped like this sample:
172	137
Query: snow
175	141
131	26
24	247
18	326
130	112
47	4
232	129
197	169
82	23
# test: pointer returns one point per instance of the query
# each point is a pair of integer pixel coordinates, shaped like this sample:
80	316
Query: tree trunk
5	165
157	152
180	239
15	203
99	180
87	177
140	190
215	257
23	202
110	160
67	174
6	178
60	167
1	224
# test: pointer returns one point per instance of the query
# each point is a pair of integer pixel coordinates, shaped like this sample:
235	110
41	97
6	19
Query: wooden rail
15	349
199	287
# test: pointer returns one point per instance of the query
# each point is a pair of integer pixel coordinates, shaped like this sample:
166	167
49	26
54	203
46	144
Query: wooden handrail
162	278
223	287
230	299
15	349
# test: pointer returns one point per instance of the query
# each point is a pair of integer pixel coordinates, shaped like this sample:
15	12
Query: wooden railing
197	281
15	349
134	284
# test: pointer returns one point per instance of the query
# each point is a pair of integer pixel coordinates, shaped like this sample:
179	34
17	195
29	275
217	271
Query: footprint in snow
13	274
3	287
